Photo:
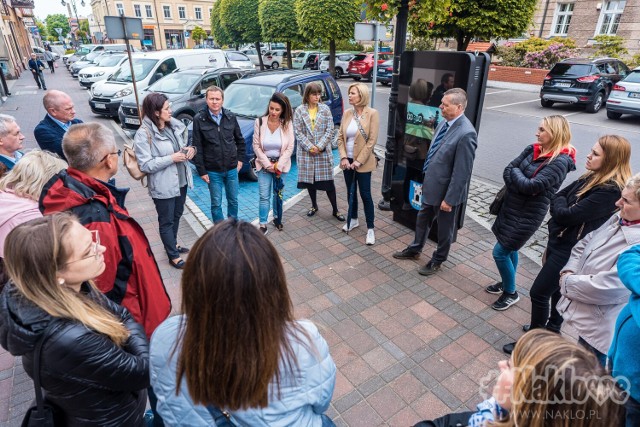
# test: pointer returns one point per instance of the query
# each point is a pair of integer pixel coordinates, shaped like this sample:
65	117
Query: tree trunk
332	57
259	50
289	59
462	40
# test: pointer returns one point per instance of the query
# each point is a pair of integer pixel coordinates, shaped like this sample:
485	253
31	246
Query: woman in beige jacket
356	139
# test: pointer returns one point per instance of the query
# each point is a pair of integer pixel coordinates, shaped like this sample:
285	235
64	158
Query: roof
274	77
481	47
585	60
160	54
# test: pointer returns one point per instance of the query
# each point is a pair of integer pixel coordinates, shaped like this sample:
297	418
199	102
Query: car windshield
388	63
110	61
359	58
248	100
301	55
325	58
175	83
82	51
633	77
141	66
93	55
571	69
235	56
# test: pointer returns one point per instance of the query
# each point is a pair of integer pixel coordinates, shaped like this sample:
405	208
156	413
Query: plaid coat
319	167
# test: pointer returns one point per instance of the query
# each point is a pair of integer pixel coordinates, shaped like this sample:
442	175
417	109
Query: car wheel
595	105
185	118
275	65
251	175
612	115
384	83
545	103
338	72
356	79
369	76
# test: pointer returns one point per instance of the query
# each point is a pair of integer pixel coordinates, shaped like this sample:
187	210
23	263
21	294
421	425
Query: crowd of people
81	285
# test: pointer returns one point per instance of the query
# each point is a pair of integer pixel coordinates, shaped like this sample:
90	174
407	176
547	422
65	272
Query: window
148	10
227	79
120	9
137	11
562	19
167	11
206	82
610	17
324	96
210	10
294	93
182	12
198	13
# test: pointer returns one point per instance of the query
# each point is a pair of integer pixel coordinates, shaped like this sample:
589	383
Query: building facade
167	24
582	20
15	46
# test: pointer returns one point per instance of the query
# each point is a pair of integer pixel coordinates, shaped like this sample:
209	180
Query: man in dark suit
36	66
446	83
447	171
60	116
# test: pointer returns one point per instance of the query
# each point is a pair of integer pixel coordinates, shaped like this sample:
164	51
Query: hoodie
15	210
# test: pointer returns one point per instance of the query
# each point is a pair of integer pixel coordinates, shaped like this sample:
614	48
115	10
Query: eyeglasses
95	237
119	152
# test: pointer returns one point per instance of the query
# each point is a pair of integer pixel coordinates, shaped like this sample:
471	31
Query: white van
106	95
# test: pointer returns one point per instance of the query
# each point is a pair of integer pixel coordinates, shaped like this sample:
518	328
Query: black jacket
572	219
93	381
528	197
219	148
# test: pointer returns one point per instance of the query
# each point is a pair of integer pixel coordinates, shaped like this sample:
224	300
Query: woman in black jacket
576	211
531	180
94	363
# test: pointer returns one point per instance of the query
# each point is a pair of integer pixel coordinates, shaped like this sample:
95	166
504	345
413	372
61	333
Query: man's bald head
59	105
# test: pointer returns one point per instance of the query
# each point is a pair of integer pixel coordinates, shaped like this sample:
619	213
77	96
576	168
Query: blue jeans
632	408
602	358
265	191
507	263
327	422
229	180
363	182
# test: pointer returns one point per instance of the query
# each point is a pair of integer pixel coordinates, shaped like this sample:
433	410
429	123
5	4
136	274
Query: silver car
625	96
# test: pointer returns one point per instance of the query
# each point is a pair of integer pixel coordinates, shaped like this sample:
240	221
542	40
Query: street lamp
75	10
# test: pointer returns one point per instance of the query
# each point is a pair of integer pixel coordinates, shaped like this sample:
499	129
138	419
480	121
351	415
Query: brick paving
407	347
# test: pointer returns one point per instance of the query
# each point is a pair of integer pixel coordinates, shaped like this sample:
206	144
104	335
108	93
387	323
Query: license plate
101	106
563	84
132	121
634	95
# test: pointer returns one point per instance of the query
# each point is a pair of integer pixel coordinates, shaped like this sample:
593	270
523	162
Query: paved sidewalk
407	347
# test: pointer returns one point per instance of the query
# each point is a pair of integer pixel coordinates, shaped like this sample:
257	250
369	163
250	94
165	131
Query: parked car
385	72
582	81
89	60
625	96
275	58
253	55
313	62
249	98
185	90
342	62
40	53
361	66
239	60
107	65
300	59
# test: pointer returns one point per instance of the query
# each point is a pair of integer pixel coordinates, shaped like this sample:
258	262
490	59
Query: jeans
602	358
169	214
39	78
327	422
229	180
265	192
446	229
507	263
363	182
632	407
546	287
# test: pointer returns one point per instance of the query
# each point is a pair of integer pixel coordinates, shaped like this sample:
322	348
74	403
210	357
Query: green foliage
218	30
198	34
421	13
327	19
420	44
278	20
536	52
634	61
468	19
240	20
612	46
349	46
57	20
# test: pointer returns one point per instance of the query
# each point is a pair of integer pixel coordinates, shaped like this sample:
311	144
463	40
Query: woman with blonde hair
237	347
357	136
531	180
20	191
576	211
96	366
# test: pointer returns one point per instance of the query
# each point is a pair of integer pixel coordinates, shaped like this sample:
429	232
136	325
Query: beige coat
362	151
288	144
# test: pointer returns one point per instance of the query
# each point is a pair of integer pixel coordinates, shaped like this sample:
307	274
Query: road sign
59	31
132	27
60	38
365	31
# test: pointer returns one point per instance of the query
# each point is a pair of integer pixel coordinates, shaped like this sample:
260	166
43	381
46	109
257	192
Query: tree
198	34
240	19
278	23
612	46
328	20
218	29
83	29
57	20
483	19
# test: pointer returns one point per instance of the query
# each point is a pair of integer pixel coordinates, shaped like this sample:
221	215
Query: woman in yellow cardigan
356	139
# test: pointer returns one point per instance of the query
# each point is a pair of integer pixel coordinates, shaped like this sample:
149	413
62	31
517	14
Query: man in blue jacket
36	66
10	141
60	116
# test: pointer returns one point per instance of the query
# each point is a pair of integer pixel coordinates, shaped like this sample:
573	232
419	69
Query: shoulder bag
365	136
130	160
43	413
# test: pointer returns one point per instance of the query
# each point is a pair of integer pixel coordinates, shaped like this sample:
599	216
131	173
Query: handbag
43	413
364	135
494	207
130	161
221	418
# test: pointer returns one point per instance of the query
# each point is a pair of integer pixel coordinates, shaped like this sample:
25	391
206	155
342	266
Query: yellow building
167	24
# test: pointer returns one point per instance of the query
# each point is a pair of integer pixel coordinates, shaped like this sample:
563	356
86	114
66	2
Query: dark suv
582	81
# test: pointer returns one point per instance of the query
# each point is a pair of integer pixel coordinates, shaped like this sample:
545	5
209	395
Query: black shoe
495	289
278	226
406	254
312	211
554	328
177	264
430	268
182	249
339	216
526	328
264	230
505	301
508	348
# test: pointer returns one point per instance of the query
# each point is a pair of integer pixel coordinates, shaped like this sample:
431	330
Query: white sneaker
371	237
354	224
